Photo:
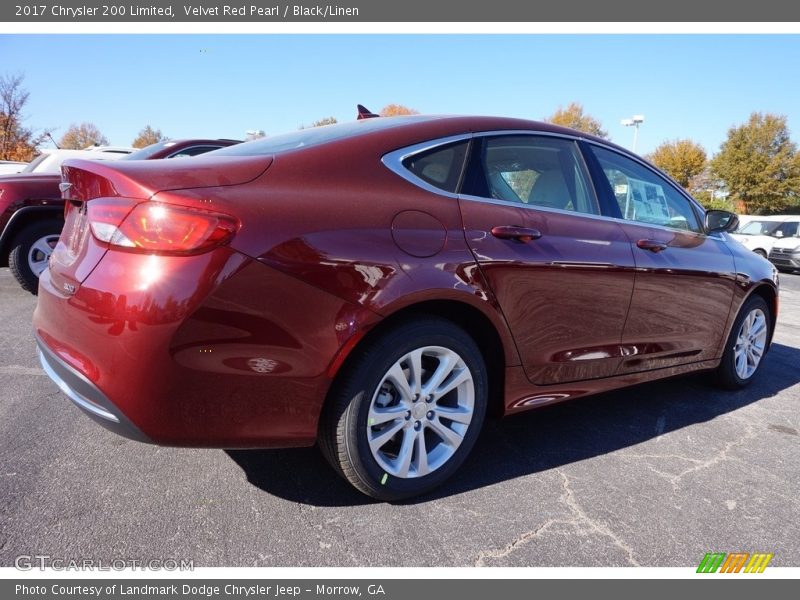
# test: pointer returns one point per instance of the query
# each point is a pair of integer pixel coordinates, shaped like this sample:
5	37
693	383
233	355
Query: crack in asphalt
580	519
675	479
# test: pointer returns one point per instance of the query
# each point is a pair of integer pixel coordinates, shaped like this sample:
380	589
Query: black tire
344	430
725	374
21	245
760	252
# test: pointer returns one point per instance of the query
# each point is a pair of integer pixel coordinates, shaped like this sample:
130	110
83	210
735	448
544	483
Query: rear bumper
215	350
86	396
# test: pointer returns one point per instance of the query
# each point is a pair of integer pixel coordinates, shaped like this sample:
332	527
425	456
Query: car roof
399	131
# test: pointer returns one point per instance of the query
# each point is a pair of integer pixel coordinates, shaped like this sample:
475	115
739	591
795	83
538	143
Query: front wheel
746	346
760	252
30	252
407	411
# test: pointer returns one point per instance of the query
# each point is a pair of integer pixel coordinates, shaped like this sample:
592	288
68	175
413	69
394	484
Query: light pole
634	122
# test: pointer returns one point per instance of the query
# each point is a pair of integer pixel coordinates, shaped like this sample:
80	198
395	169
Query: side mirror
720	220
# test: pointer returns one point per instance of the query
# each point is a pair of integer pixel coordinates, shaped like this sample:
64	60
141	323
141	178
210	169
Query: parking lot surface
657	475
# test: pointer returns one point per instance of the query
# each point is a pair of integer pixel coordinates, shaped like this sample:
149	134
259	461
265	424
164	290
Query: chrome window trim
394	162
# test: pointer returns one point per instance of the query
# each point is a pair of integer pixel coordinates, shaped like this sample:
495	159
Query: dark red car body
238	346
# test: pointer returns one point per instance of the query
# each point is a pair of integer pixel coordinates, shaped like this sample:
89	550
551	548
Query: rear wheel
407	411
31	250
746	345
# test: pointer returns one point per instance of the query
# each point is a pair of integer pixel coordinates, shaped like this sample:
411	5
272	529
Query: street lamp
634	122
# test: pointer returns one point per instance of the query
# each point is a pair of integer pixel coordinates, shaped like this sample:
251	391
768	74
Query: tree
394	110
16	141
707	188
759	165
681	159
78	137
148	136
573	117
321	122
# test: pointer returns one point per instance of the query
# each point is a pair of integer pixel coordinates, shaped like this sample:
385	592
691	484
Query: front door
684	278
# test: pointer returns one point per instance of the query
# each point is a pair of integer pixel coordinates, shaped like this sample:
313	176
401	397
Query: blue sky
220	86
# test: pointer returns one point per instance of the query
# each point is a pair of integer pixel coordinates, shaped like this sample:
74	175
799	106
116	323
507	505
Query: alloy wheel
39	253
751	343
420	412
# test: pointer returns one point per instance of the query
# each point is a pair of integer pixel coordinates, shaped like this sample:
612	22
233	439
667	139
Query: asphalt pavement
657	475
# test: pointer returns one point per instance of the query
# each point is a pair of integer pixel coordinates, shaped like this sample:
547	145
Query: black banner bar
366	11
730	587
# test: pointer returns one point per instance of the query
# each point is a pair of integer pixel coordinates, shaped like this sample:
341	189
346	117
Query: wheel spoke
397	376
377	442
458	415
403	462
759	327
741	359
378	416
415	371
458	377
448	436
446	364
42	246
422	454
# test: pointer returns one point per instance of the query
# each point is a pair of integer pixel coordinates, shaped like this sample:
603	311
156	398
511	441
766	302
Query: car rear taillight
156	227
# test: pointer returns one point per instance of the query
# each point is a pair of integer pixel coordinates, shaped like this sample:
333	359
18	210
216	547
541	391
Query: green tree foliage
148	136
682	160
760	165
394	110
17	142
574	117
83	135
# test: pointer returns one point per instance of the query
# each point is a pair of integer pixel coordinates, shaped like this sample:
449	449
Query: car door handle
652	245
515	232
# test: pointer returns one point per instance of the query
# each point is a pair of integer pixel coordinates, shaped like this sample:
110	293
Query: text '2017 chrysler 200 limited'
379	286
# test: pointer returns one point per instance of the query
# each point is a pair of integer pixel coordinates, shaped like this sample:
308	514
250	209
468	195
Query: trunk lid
78	252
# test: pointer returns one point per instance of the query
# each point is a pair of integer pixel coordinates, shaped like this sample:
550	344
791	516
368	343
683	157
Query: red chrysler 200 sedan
378	286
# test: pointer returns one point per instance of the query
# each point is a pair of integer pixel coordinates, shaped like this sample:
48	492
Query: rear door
684	278
561	273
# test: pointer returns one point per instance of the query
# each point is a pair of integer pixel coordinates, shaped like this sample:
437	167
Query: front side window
645	196
535	171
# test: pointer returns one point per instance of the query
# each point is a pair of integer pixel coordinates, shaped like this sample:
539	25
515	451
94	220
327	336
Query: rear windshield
314	136
148	151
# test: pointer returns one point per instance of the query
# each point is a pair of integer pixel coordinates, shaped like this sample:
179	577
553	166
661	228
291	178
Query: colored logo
734	563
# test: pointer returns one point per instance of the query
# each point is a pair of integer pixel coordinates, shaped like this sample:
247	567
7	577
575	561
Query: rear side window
440	167
533	170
